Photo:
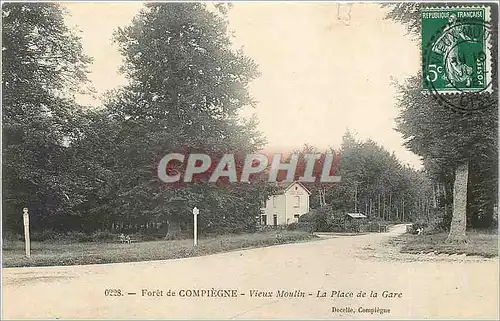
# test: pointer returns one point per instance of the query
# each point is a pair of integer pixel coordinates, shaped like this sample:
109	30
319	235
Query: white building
291	201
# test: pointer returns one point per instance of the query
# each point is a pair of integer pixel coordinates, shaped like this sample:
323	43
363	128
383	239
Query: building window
296	201
274	201
263	219
296	216
275	219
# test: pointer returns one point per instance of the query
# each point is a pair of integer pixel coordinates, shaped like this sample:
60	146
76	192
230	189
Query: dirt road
420	287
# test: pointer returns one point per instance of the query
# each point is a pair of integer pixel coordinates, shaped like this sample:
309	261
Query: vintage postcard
249	160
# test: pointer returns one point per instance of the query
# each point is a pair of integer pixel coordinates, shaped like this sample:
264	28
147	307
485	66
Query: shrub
352	226
79	237
436	225
292	226
337	229
46	235
177	235
9	239
305	226
308	217
104	236
148	236
267	228
320	218
370	227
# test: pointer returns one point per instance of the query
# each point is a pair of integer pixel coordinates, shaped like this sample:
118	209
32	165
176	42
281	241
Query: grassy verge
57	254
479	244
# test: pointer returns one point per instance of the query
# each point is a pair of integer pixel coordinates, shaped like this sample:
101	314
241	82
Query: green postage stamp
456	49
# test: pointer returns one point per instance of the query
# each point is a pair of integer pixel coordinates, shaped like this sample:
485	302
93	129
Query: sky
325	67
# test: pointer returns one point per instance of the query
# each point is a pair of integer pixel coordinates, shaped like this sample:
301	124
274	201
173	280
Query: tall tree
186	88
43	64
451	143
371	175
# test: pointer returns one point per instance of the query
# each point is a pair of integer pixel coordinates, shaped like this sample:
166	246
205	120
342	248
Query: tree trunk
379	206
173	227
434	195
403	210
356	197
390	205
459	216
383	210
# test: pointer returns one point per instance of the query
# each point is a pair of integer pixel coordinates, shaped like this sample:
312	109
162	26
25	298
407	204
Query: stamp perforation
428	54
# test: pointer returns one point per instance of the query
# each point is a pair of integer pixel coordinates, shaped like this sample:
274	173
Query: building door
264	220
275	220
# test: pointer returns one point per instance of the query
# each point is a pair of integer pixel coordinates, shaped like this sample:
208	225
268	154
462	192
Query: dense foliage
452	143
374	182
42	62
95	170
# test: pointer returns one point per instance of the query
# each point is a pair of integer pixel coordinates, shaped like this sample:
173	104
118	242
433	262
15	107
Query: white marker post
26	221
196	211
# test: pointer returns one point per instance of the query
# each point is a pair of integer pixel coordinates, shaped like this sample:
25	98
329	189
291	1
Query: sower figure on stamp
456	65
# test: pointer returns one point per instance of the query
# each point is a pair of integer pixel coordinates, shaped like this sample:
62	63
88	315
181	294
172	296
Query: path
430	289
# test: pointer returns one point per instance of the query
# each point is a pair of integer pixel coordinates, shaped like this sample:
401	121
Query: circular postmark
457	65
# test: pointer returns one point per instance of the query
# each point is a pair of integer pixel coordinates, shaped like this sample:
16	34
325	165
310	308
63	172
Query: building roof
356	215
285	186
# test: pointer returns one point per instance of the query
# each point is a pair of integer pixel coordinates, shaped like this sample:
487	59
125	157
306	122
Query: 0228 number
113	292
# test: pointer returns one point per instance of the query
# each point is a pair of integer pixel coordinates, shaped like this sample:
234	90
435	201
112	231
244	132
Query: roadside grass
60	254
478	243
